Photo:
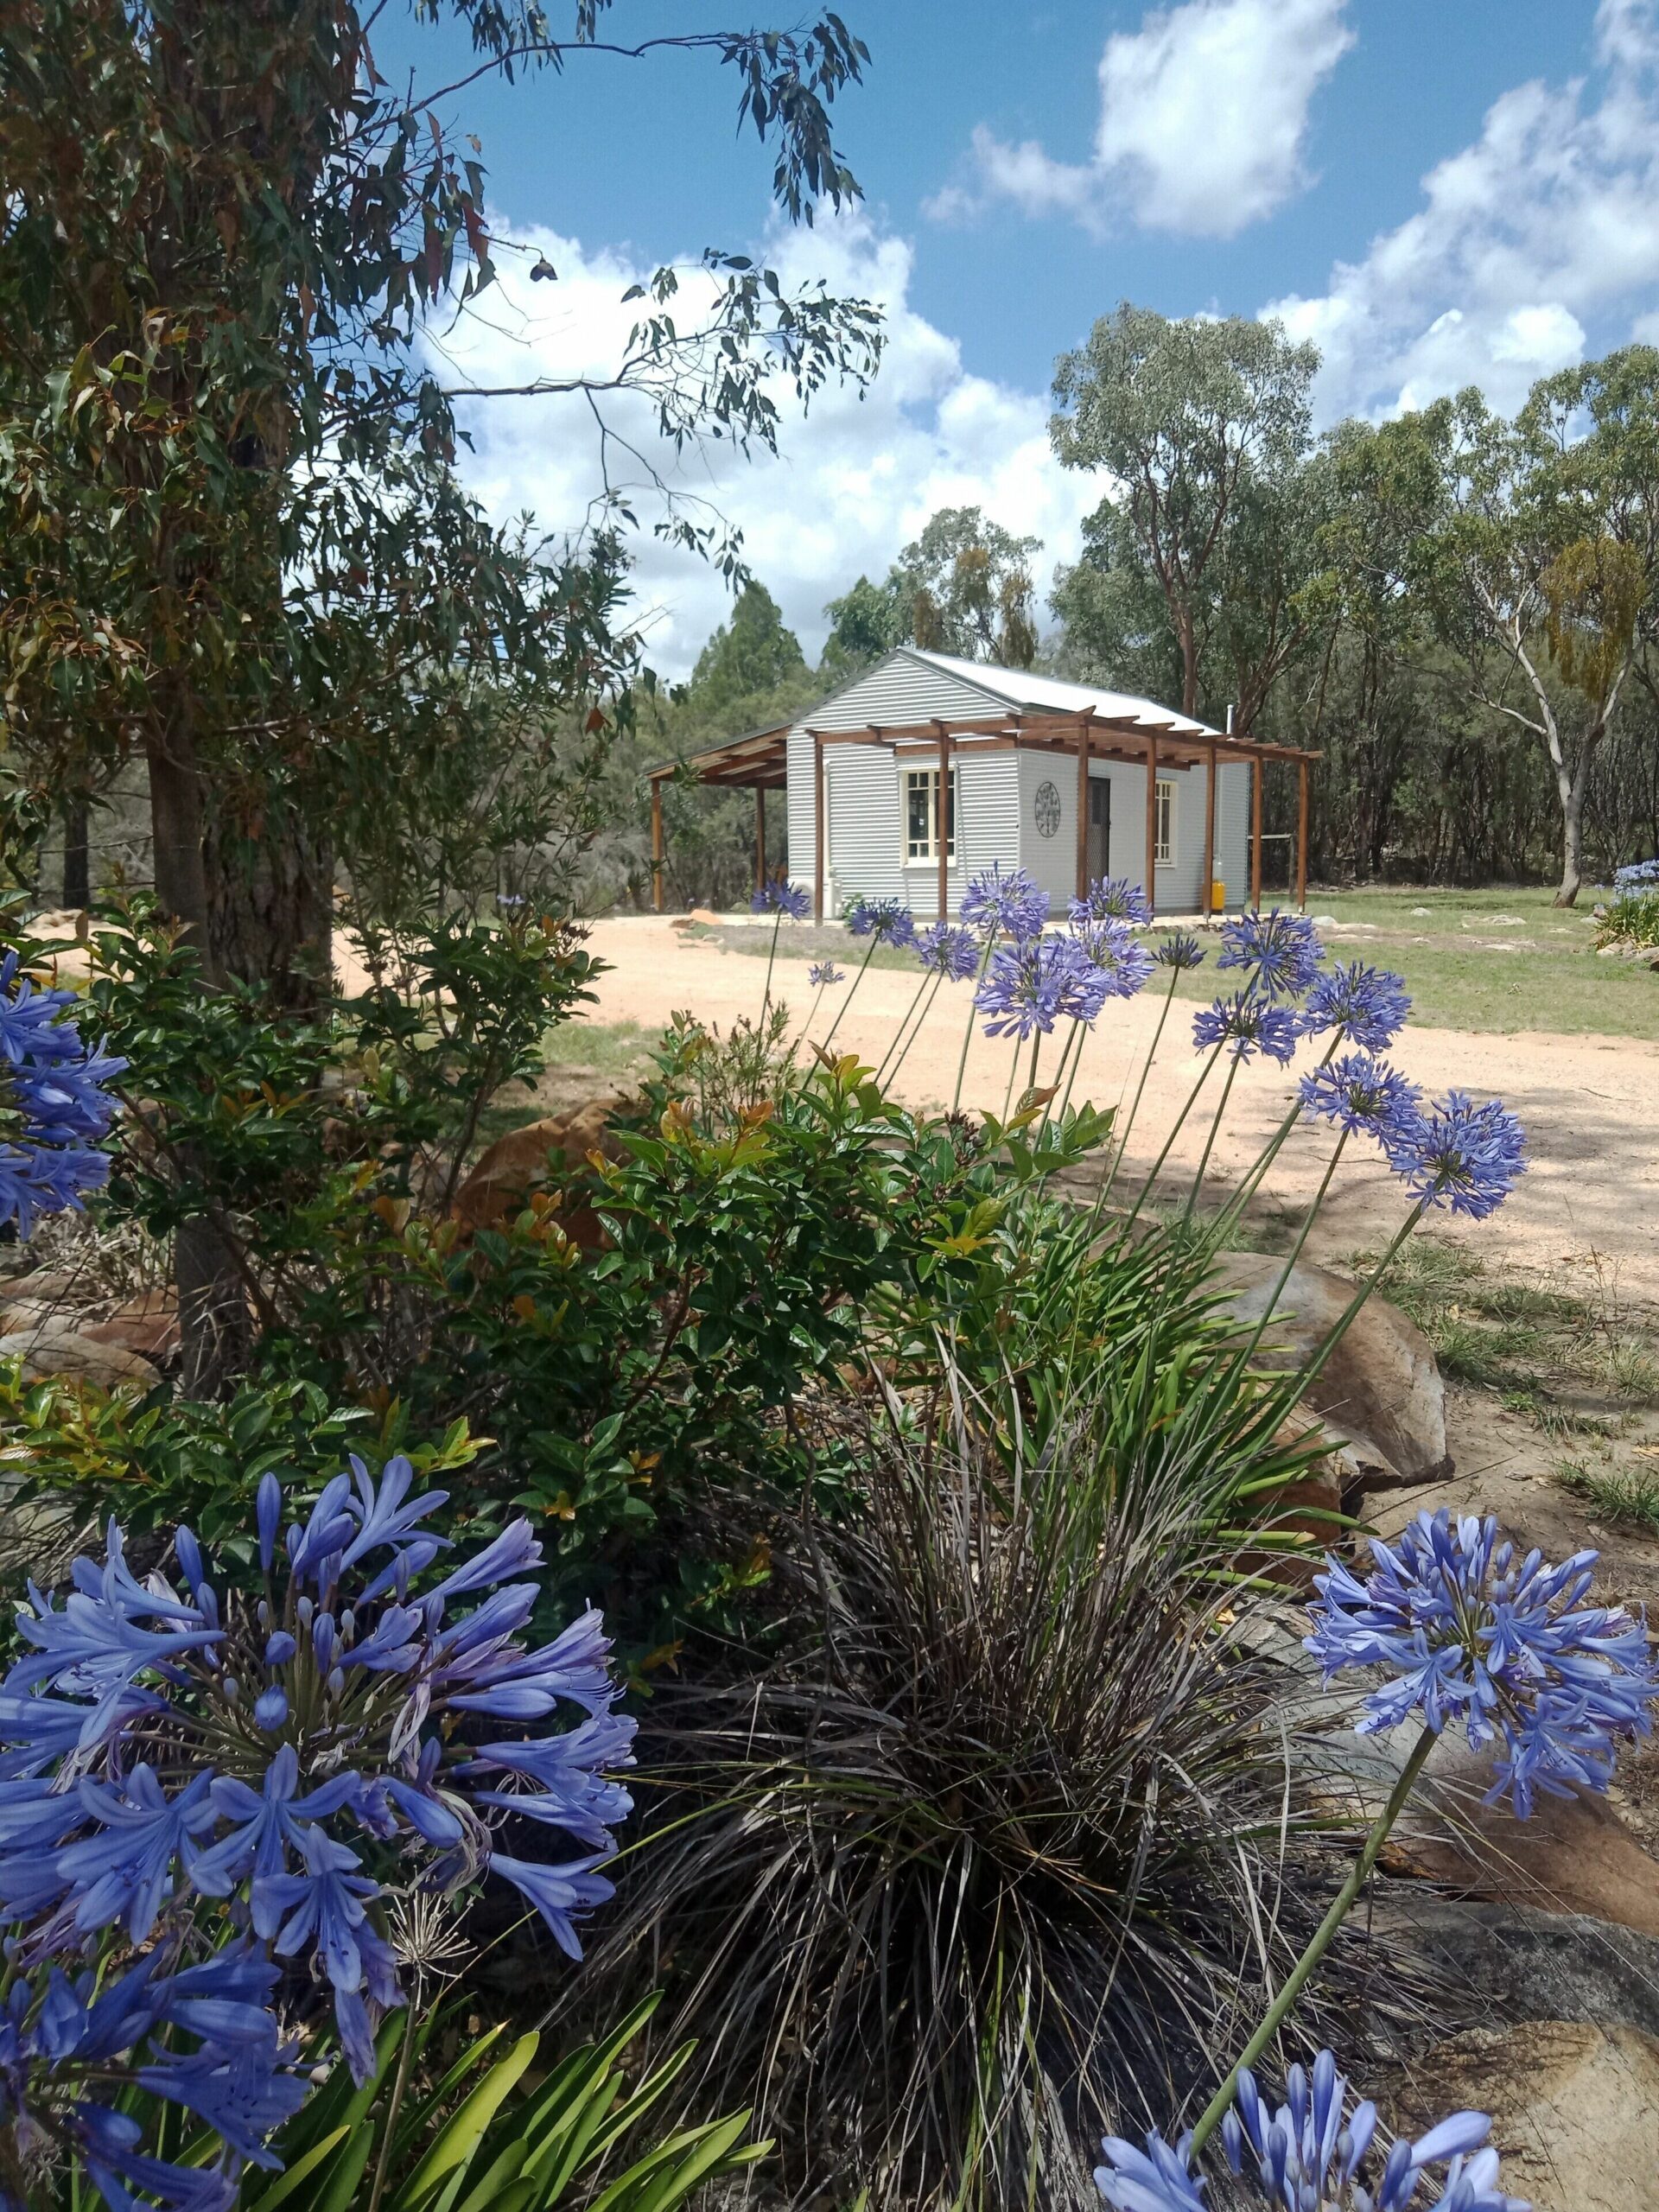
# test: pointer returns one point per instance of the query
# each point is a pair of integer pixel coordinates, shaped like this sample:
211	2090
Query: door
1100	828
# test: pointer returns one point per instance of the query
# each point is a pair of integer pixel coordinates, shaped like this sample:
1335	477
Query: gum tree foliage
235	544
964	587
1543	571
1201	426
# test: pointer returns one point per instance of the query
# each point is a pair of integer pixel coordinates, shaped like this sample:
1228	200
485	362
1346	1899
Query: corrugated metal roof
1020	687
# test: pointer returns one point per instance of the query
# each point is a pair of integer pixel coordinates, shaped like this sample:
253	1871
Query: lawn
1476	960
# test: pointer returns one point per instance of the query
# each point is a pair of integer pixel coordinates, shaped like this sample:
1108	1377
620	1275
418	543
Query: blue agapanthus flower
952	953
1248	1023
1180	950
777	895
1364	1097
1036	982
999	905
356	1721
1280	953
1640	876
1116	953
1111	898
1365	1006
1462	1156
1507	1648
889	921
1314	2154
823	972
54	1108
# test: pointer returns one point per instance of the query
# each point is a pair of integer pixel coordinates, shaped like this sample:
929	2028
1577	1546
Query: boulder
528	1160
1380	1393
1575	2109
61	1349
707	917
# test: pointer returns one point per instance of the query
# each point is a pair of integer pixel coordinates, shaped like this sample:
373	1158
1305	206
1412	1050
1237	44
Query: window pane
918	830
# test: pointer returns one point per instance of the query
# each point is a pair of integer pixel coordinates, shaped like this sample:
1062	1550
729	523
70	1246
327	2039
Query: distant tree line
1460	612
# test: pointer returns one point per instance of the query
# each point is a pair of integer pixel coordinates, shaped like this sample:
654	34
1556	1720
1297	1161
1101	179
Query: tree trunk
77	864
270	905
1571	841
1189	664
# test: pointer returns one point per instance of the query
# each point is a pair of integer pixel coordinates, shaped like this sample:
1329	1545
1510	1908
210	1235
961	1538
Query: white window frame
1163	818
929	856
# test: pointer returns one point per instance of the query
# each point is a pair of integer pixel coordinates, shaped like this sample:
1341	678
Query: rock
529	1159
58	1348
1325	922
1380	1393
57	921
1422	910
45	1284
1507	1962
1574	2109
148	1324
1573	1855
710	919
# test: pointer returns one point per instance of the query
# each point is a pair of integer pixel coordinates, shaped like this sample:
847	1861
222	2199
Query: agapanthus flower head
1468	1634
1315	2153
1462	1156
777	895
889	921
377	1712
1180	950
823	972
1117	954
1365	1006
54	1106
1036	982
1111	898
999	905
1640	876
1247	1024
1280	953
1364	1097
952	953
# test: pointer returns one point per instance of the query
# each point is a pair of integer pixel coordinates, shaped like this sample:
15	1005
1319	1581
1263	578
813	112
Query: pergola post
942	812
1083	809
817	827
1257	767
1152	822
759	836
1206	906
1301	836
657	890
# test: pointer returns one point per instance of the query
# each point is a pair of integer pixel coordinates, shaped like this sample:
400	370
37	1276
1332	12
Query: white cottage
912	777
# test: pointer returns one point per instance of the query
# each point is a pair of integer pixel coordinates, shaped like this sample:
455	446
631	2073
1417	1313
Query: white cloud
1547	222
1203	122
853	481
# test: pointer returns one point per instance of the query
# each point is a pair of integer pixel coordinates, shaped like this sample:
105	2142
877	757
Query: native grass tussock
1007	1844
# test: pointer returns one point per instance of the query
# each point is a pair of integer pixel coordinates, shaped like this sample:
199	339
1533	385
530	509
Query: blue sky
1437	195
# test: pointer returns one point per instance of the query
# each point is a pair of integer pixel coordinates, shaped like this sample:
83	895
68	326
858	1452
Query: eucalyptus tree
234	546
1544	568
963	586
1190	421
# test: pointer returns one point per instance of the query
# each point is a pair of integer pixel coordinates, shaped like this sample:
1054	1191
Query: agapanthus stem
1289	1269
772	954
389	2124
1008	1095
968	1034
1146	1069
1073	1052
1216	2111
1036	1047
1257	1175
898	1044
1344	1321
857	979
1208	1142
1158	1164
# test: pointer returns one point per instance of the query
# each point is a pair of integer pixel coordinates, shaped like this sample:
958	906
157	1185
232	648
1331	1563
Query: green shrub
1630	918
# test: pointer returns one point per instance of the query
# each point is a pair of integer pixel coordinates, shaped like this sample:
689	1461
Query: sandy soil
1589	1206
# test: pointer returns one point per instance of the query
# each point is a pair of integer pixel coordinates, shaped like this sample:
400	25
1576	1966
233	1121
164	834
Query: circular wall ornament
1045	805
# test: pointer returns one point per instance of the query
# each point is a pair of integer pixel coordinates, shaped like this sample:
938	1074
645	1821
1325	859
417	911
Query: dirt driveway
1590	1104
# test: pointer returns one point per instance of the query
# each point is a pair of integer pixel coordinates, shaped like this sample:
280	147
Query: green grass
609	1048
1632	1499
1465	967
1542	1346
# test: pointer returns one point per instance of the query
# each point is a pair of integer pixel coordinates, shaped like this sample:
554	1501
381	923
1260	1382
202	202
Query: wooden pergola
759	760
